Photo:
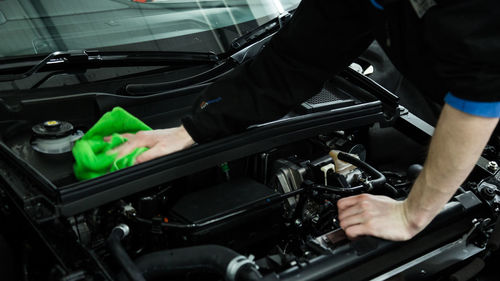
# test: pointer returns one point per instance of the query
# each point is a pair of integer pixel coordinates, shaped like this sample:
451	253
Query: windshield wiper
261	31
86	59
241	49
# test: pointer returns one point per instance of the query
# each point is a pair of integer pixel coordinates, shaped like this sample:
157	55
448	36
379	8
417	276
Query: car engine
279	207
261	205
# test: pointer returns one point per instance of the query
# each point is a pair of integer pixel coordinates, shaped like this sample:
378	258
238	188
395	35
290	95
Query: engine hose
212	258
378	178
116	249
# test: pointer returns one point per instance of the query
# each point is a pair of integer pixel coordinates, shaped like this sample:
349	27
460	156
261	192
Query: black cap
52	129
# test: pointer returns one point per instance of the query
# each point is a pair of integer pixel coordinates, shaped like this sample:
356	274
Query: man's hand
159	142
378	216
457	143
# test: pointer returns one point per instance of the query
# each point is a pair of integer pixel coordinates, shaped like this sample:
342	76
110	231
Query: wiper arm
85	59
263	30
241	49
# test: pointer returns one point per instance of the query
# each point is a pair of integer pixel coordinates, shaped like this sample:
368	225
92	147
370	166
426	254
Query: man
450	50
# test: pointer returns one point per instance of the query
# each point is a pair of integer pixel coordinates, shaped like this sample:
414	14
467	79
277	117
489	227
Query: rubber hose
248	273
121	256
379	178
211	258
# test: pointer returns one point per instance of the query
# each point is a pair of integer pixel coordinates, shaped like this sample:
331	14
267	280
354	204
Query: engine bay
279	206
277	209
261	205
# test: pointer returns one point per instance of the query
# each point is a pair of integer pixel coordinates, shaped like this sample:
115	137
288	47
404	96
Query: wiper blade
85	59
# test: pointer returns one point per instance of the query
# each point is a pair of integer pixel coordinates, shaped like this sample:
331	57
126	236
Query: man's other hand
160	143
378	216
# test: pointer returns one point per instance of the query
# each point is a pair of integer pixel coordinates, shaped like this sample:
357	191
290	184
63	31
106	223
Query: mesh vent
328	98
327	95
323	97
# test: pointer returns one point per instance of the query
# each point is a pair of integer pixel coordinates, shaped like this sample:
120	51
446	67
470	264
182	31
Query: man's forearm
457	143
321	39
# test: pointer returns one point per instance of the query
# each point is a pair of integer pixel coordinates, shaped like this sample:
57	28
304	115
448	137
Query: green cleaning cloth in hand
93	157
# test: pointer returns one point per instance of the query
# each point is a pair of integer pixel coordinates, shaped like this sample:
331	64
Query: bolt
488	192
492	166
423	272
298	222
293	263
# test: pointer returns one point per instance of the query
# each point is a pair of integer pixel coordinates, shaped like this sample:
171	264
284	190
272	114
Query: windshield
34	27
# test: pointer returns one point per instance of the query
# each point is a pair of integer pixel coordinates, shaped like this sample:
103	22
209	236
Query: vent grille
326	96
329	98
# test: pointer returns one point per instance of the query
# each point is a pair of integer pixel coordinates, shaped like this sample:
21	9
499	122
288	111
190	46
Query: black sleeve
322	38
464	38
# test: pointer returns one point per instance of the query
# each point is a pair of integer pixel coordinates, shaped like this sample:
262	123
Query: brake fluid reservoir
54	137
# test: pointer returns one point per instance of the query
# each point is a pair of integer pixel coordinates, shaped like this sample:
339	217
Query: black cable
342	190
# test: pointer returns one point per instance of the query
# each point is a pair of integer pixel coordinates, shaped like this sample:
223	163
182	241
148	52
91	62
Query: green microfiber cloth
92	153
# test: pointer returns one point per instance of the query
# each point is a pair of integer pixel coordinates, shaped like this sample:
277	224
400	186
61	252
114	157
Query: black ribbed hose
212	258
378	178
121	256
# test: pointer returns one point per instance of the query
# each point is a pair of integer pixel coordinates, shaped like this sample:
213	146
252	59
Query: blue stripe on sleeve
377	5
483	109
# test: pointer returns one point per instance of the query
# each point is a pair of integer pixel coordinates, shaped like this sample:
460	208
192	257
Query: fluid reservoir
342	167
54	137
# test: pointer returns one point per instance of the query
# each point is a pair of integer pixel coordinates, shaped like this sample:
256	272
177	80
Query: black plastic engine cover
251	226
224	198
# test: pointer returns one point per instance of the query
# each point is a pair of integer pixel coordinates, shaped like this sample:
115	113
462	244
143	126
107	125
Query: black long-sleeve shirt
454	48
